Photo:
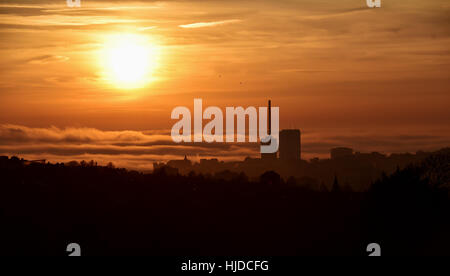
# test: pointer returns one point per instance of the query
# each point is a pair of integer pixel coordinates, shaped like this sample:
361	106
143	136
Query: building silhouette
290	144
183	166
339	153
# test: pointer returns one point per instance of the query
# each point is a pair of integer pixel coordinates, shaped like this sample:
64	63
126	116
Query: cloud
21	10
16	134
139	149
62	145
209	24
45	59
147	28
319	143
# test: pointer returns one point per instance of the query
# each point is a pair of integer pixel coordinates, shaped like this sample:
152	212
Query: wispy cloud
147	28
209	24
45	59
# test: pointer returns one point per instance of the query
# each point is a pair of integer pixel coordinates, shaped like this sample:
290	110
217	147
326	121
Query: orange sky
344	74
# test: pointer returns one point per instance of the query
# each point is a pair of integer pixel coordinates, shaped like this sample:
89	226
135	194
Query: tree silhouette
113	211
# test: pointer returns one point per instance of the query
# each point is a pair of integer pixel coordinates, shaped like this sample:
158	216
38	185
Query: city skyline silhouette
112	115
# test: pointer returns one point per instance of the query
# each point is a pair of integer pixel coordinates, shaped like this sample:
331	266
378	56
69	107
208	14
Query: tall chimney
270	117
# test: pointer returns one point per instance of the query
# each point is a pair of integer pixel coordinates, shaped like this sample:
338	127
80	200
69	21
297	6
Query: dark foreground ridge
109	211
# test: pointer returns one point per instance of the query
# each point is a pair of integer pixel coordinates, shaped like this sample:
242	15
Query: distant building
338	153
209	165
370	156
42	162
290	144
209	162
314	160
180	164
161	168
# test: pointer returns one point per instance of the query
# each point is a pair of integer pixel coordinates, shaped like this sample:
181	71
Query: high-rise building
290	144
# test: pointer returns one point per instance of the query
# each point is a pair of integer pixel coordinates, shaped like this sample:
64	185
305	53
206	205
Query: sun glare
128	61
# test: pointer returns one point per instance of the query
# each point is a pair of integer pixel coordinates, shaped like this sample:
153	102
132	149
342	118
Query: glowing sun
128	61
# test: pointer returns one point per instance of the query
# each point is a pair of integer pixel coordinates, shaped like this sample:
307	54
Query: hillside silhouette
111	211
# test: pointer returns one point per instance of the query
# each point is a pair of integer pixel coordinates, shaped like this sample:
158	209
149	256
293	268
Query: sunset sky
346	75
